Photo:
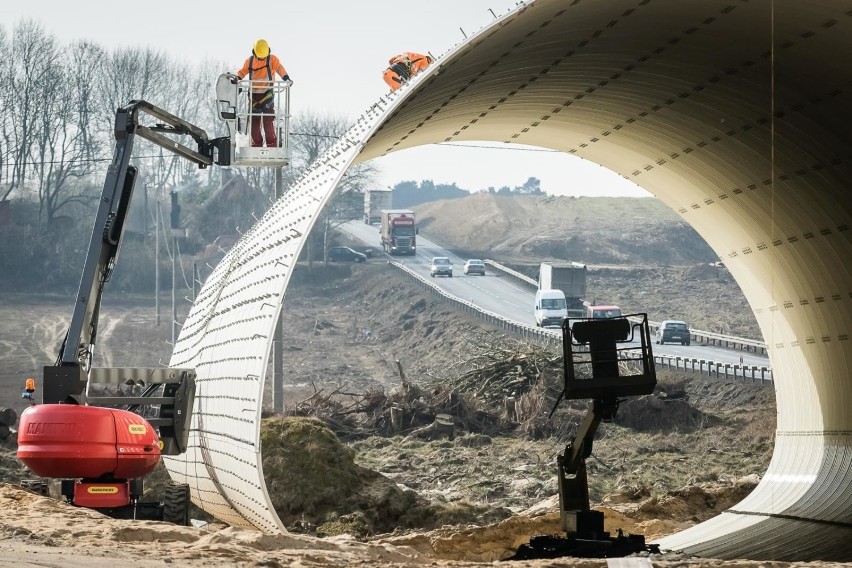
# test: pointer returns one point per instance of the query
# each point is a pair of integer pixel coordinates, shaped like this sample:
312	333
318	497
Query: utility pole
159	217
194	277
277	341
176	232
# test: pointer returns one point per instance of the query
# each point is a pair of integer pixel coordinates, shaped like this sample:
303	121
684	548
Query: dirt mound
347	327
652	517
317	487
593	230
697	502
313	478
655	413
667	409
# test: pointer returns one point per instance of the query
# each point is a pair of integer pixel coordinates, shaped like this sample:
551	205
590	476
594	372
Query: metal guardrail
697	335
514	273
742	373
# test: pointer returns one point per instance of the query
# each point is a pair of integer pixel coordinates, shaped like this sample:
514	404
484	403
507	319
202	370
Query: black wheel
176	504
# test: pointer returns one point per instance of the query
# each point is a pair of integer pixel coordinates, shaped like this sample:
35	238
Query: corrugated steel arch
736	115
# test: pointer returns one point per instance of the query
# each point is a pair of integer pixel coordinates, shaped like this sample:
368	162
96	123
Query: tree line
57	111
411	193
57	108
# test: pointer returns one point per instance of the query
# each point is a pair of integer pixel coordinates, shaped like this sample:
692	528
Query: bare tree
84	65
126	75
207	116
5	104
26	75
62	149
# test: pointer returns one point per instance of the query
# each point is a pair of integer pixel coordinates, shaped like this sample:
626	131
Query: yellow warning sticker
137	429
102	490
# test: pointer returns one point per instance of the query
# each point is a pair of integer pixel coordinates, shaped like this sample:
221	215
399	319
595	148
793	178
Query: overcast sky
335	52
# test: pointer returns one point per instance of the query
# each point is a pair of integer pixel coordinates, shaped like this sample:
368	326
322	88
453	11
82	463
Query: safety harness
267	96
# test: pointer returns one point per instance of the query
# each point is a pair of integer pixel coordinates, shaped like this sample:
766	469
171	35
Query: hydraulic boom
101	446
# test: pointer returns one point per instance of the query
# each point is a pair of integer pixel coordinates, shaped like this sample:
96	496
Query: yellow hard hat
261	48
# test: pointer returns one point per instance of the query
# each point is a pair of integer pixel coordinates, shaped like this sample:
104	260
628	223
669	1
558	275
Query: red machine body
101	495
89	442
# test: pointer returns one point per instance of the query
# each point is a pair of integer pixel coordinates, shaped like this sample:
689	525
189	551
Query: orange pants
396	75
392	79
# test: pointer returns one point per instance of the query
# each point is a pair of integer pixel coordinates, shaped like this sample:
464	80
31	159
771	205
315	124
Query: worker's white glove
289	82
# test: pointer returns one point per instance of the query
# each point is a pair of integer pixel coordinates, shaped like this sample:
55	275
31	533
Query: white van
550	307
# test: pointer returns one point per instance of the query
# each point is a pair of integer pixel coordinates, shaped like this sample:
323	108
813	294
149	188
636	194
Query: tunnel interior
733	113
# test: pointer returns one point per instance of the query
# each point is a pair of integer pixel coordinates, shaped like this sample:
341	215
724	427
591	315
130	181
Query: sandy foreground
41	531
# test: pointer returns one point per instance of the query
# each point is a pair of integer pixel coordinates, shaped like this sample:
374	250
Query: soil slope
361	333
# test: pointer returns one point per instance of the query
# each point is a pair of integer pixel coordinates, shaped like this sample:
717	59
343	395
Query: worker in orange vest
261	67
404	66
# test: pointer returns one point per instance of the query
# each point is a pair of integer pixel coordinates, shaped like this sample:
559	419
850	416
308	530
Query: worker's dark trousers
265	115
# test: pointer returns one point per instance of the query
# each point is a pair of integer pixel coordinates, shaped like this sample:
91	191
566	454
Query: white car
441	266
474	266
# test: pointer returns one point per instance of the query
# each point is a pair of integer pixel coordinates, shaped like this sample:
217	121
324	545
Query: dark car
345	253
673	331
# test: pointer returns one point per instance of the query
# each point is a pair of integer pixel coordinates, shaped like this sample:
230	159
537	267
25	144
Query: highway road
504	295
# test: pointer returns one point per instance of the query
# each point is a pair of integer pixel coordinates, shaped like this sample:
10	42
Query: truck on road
375	200
570	277
399	231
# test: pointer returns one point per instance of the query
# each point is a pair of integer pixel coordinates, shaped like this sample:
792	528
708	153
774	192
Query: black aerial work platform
604	360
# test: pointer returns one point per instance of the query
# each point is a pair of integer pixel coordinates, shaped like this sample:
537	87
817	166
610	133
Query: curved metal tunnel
734	113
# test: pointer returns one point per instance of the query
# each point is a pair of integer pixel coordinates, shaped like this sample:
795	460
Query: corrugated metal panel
228	335
670	95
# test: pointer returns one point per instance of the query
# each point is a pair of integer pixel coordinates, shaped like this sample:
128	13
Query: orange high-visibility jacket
416	62
256	69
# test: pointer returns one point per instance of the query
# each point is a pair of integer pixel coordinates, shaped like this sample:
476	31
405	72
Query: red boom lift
101	446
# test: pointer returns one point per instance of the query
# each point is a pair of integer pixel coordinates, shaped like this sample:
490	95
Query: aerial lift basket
234	107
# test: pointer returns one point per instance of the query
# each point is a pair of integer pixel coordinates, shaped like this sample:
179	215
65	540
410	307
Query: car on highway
672	331
345	254
474	266
441	266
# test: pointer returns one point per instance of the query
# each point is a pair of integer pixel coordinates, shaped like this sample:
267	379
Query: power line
81	161
307	134
98	160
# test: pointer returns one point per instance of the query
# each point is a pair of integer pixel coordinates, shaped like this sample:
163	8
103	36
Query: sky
335	52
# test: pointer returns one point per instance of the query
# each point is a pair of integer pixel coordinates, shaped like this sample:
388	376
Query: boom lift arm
615	357
66	380
101	446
